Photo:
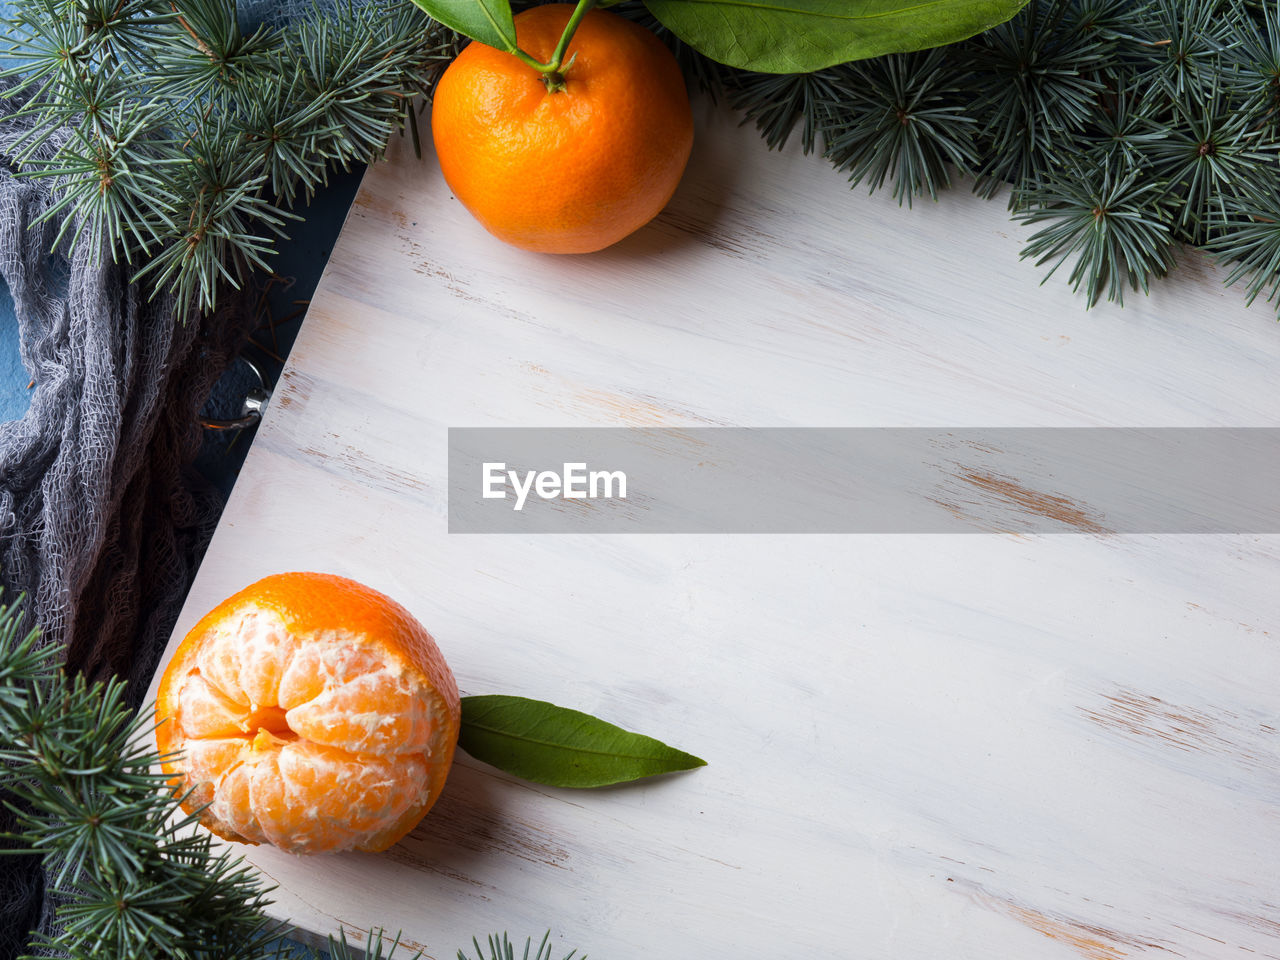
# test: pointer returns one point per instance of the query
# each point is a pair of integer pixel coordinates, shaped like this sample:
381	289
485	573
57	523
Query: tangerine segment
311	713
577	169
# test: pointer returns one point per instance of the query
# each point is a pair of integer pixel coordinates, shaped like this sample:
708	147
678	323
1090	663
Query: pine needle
190	139
79	772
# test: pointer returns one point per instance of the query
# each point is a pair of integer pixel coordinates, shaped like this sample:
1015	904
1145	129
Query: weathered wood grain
919	747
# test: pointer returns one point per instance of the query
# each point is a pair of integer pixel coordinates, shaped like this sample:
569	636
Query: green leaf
560	747
488	21
799	36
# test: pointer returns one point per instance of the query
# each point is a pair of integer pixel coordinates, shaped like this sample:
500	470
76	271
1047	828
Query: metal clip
251	410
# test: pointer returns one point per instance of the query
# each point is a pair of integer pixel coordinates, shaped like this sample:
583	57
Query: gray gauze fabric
101	518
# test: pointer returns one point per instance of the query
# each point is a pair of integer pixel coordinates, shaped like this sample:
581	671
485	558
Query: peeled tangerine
310	712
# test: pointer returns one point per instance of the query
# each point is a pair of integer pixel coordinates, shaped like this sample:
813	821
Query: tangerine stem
553	70
571	27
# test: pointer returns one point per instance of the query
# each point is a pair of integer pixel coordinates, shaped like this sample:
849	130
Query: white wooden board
919	747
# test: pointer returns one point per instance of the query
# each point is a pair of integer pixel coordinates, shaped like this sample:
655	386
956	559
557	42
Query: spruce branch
1125	119
120	95
129	875
899	117
209	54
776	103
126	98
222	239
501	948
1183	42
1249	242
1107	20
130	872
1114	225
341	949
1037	79
1122	129
1252	67
1210	153
126	28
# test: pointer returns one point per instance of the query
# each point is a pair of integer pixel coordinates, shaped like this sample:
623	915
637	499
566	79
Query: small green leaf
488	21
560	747
799	36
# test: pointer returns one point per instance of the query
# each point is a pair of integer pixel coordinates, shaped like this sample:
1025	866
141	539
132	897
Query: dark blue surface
15	382
15	397
298	263
300	259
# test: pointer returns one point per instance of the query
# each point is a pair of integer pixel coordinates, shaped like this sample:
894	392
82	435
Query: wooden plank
921	746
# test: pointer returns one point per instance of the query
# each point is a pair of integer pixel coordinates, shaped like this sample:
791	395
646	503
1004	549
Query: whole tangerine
310	712
573	162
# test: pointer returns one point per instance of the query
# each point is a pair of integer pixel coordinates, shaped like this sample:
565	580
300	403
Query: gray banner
864	480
